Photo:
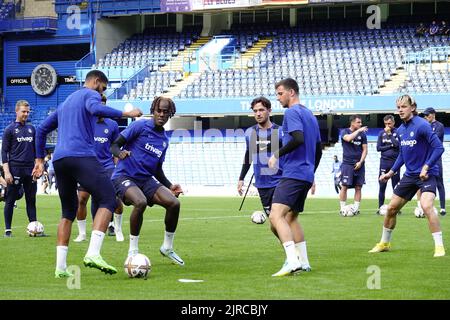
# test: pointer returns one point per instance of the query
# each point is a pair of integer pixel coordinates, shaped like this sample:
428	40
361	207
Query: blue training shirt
75	119
352	150
148	150
299	164
439	129
388	145
419	145
261	144
18	148
106	132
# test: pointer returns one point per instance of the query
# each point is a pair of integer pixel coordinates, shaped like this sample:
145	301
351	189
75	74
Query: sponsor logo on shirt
263	144
24	139
409	143
101	139
151	148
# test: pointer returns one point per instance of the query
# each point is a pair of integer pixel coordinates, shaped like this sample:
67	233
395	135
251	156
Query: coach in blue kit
299	158
354	147
420	149
389	146
438	128
261	140
139	179
18	154
75	162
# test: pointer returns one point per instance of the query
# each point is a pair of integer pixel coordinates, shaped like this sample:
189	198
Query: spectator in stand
434	28
443	29
421	30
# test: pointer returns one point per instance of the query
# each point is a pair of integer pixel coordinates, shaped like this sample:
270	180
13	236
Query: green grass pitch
234	257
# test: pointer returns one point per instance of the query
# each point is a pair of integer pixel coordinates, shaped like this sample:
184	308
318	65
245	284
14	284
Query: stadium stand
341	57
151	48
7	10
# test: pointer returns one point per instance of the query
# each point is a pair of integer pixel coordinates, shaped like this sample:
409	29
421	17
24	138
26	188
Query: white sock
118	222
342	205
437	236
134	245
96	243
168	240
291	254
61	257
81	226
356	205
387	235
302	253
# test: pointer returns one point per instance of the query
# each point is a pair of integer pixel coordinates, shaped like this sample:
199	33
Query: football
137	266
348	211
383	210
35	229
418	212
258	217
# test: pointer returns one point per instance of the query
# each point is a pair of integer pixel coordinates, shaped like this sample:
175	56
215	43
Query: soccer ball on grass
137	266
418	212
259	217
349	211
35	229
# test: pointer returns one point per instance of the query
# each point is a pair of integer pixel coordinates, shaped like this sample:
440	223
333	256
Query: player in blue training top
261	141
420	149
106	132
389	145
139	179
75	162
353	172
18	154
299	158
430	115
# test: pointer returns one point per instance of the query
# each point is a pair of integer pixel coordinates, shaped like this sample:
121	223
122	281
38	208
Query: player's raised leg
102	191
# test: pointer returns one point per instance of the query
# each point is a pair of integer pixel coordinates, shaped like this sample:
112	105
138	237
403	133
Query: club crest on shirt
412	134
106	131
29	130
16	130
164	144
